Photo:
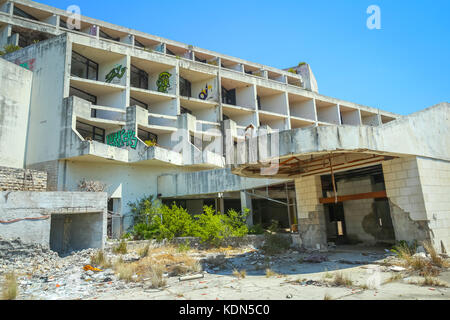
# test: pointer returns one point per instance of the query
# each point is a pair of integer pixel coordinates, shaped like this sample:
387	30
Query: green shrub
9	48
256	229
175	222
156	221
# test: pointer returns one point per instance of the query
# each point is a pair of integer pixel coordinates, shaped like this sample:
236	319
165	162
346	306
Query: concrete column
406	201
246	202
311	216
5	33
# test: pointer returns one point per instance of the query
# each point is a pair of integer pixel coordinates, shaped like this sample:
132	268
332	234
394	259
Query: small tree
9	48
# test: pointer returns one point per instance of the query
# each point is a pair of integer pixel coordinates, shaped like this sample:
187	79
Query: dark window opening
258	98
170	52
185	110
147	136
135	102
185	87
90	132
200	60
63	24
139	78
107	36
138	44
86	96
83	67
23	14
229	96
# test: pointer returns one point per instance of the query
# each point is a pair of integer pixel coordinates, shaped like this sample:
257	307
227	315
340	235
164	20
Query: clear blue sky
402	68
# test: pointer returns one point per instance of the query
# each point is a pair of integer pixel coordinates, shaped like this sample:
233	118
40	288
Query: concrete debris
194	277
397	268
316	258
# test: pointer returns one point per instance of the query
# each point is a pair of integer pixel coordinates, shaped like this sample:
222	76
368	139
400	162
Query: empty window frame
168	51
147	136
229	96
185	87
83	67
104	35
86	96
139	78
90	132
135	102
185	110
19	12
63	24
138	44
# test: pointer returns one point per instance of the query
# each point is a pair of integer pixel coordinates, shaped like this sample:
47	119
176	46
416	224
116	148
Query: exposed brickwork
12	179
51	167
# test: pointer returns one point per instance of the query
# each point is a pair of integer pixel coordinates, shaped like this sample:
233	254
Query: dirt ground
141	272
294	275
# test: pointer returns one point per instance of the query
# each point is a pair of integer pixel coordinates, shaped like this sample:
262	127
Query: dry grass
393	278
327	297
143	251
433	282
239	274
99	259
341	279
270	273
124	271
430	282
435	257
121	248
10	288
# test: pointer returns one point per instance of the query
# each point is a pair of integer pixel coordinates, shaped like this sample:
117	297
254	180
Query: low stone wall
12	179
250	240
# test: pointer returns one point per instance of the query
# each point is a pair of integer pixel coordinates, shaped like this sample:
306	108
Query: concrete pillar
418	190
5	33
311	215
246	202
406	201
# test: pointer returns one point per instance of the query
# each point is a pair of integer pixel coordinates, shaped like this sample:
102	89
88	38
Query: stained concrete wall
357	210
127	183
207	182
47	60
15	93
29	215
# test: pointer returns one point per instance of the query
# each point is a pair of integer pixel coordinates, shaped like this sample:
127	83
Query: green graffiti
163	82
122	138
117	72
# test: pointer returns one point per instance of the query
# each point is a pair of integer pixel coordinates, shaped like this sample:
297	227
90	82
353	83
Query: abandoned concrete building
151	116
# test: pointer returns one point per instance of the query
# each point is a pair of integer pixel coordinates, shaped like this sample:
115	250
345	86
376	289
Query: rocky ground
222	274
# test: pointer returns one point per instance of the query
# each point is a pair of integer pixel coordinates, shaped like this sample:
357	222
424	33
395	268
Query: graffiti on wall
205	92
163	82
117	72
28	64
122	138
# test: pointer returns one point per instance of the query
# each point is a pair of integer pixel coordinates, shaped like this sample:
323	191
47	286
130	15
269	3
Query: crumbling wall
406	200
311	216
30	215
12	179
435	182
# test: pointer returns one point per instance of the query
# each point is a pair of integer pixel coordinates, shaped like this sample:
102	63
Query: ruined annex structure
151	116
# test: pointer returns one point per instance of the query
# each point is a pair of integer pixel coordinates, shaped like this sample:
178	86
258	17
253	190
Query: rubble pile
42	274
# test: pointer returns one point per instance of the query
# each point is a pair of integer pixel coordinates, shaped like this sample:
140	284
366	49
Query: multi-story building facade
152	116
